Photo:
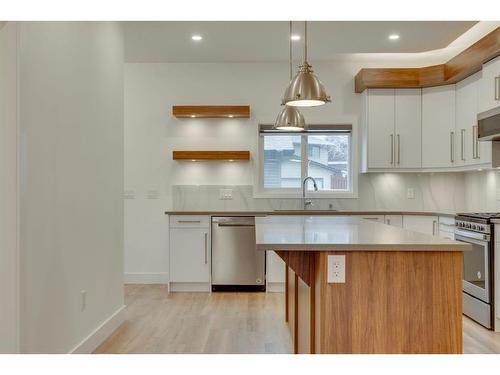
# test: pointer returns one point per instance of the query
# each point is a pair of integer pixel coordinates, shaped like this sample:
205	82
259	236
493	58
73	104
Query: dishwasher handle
235	225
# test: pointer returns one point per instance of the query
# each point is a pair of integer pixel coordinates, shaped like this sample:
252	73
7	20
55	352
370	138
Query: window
282	161
322	152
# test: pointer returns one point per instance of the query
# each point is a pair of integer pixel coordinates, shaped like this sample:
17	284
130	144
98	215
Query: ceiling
268	41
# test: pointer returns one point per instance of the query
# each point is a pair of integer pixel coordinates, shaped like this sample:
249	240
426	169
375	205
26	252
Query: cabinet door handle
452	148
392	149
462	145
497	88
188	221
206	248
434	222
399	149
388	221
475	142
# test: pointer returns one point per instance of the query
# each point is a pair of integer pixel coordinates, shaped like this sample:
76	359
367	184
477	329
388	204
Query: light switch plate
225	194
410	193
336	269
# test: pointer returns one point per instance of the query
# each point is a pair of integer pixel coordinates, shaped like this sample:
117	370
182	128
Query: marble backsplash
382	191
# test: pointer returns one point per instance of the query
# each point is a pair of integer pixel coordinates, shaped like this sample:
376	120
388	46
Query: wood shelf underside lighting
459	67
211	111
211	155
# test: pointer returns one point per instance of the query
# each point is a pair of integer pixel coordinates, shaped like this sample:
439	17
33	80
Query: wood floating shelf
459	67
211	111
211	155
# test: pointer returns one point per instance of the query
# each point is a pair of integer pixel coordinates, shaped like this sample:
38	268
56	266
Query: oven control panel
476	227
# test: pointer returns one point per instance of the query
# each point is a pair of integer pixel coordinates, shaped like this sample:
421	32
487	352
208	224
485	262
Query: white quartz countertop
343	233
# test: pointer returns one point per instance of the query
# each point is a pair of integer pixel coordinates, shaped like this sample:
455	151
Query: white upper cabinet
393	128
489	93
408	128
438	127
469	151
380	128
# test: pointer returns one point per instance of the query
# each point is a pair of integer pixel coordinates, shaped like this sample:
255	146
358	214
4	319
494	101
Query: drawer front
448	221
189	221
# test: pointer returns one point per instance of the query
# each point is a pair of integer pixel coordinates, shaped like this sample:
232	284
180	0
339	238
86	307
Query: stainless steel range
477	230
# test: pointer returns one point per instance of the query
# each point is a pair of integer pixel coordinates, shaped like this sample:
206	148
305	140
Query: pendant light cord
290	52
305	41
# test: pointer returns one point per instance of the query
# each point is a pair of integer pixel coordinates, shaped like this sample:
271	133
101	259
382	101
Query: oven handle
473	235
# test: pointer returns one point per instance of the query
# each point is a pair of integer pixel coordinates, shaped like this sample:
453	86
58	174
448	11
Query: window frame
261	192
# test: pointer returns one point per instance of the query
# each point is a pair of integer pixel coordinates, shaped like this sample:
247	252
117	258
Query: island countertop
343	233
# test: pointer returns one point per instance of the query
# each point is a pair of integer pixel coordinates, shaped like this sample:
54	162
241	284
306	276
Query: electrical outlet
410	193
84	300
225	194
336	269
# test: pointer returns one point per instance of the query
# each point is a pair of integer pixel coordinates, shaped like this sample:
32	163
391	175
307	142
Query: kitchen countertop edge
312	212
365	247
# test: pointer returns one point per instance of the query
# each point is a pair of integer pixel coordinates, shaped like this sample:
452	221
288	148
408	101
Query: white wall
151	133
8	190
71	123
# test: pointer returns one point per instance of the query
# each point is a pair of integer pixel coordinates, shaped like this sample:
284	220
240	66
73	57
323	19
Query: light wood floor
223	323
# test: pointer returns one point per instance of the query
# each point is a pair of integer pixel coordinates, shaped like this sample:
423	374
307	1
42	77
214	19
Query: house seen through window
289	157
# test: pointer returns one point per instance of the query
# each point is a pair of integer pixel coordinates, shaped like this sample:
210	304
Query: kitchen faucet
308	202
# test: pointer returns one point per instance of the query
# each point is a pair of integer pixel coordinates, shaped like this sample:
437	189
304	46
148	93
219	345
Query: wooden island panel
391	302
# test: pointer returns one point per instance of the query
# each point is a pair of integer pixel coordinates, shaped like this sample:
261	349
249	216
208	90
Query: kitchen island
356	286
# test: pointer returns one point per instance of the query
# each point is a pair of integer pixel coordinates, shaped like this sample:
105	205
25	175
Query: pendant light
290	118
305	90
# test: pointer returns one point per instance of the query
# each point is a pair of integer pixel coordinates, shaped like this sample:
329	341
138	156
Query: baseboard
101	333
275	287
146	278
190	287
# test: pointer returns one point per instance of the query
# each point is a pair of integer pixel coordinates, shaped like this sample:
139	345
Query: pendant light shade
305	89
290	119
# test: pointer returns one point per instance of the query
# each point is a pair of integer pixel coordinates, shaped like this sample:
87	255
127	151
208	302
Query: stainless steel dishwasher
236	264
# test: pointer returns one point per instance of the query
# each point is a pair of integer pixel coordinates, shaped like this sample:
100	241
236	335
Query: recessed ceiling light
393	37
197	38
193	160
295	37
193	116
231	160
231	116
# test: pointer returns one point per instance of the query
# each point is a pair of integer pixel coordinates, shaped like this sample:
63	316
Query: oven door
476	277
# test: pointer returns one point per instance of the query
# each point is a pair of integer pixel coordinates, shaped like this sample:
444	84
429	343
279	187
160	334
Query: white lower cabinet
422	224
447	227
275	272
190	255
394	220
